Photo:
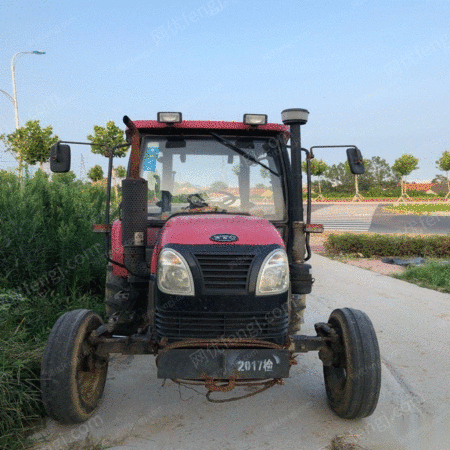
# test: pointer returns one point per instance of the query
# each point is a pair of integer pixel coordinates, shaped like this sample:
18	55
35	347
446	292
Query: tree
218	186
236	169
66	178
108	137
264	173
30	143
340	175
383	176
121	172
404	166
318	168
439	179
443	163
95	173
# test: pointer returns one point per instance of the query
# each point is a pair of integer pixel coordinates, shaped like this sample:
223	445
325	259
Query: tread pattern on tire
360	395
57	375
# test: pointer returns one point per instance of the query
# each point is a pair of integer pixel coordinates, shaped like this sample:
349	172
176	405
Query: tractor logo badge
224	238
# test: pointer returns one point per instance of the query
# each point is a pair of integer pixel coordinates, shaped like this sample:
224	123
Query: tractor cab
223	167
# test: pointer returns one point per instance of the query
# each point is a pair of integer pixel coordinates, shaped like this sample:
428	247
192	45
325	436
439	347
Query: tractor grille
184	325
225	273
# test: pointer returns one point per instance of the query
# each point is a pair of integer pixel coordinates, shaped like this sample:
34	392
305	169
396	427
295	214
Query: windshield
202	174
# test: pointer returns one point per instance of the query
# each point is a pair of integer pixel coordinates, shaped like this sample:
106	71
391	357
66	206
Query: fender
117	247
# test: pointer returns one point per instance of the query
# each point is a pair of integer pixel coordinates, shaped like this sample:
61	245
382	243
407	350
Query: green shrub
46	242
420	194
378	192
375	191
388	245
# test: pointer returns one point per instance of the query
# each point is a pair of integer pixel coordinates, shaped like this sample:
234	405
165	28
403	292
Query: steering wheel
229	200
196	201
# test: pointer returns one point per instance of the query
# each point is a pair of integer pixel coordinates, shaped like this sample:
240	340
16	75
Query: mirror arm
309	156
332	146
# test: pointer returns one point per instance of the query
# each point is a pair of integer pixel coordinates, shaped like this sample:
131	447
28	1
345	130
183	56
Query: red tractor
210	278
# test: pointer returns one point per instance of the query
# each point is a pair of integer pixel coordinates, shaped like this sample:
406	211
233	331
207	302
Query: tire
297	312
353	381
72	376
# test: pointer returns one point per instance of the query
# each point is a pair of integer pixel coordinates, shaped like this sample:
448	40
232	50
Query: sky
374	74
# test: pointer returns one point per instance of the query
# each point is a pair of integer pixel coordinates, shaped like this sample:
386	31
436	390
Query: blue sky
371	73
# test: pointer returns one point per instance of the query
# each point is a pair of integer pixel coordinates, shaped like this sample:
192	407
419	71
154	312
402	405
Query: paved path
370	217
413	327
345	217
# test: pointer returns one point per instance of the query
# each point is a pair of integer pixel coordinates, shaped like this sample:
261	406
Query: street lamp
13	75
13	99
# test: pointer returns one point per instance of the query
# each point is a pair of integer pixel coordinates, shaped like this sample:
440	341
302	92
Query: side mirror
355	161
60	158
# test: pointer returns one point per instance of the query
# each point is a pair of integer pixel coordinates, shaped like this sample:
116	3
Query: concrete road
370	217
413	327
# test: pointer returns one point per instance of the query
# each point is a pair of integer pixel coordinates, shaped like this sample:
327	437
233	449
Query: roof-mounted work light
294	115
169	117
255	119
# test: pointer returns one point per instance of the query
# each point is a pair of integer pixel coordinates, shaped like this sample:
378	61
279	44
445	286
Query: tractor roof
270	129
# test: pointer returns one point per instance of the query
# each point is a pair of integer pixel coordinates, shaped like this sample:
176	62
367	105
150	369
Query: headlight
169	117
255	119
273	278
174	275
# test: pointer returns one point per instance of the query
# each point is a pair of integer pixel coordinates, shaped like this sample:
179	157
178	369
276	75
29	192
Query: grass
432	276
50	262
418	209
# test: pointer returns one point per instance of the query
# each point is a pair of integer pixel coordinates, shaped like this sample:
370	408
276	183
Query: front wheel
353	379
72	375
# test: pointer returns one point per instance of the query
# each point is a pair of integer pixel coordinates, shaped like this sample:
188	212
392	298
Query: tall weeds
50	262
46	243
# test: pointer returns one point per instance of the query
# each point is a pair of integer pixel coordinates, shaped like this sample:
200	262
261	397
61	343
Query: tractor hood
216	229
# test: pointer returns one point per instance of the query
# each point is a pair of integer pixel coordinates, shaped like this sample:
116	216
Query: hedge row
388	245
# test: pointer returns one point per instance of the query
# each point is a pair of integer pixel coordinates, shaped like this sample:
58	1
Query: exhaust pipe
134	208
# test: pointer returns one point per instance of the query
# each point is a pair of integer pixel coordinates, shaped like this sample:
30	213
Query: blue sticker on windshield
151	156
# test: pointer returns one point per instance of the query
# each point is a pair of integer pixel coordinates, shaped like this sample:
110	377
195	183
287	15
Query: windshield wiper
241	152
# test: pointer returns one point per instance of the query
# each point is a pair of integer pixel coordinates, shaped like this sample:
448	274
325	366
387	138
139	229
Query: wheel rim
90	374
336	374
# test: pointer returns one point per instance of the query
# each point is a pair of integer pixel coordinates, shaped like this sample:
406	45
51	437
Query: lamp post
13	76
13	99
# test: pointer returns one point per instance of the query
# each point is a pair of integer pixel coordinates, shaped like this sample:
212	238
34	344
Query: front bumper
220	363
